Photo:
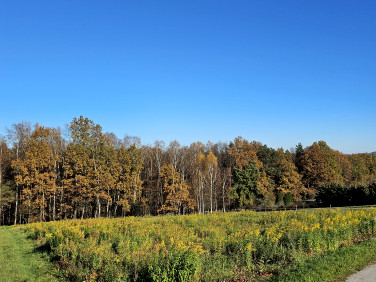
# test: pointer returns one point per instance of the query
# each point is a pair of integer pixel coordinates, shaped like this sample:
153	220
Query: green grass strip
18	259
333	266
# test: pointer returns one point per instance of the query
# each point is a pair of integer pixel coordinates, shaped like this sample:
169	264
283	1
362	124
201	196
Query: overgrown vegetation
219	246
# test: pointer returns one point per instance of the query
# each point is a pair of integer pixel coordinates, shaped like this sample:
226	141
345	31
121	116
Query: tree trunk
29	211
16	208
75	213
108	209
223	191
202	199
55	185
96	207
198	201
211	193
83	212
99	209
223	196
54	206
42	209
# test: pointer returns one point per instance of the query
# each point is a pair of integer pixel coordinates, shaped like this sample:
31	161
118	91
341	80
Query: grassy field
18	259
332	266
311	245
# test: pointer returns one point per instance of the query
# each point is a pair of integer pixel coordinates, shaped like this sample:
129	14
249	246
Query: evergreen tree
246	187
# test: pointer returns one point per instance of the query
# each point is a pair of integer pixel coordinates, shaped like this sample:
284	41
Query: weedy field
220	246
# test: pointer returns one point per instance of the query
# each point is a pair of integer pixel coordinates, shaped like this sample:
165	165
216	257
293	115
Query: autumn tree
95	174
129	141
224	174
332	164
199	176
244	152
58	145
319	166
205	177
158	150
128	184
211	165
3	149
184	163
6	193
363	169
176	194
106	168
173	153
81	162
150	189
18	135
345	167
288	180
36	174
134	177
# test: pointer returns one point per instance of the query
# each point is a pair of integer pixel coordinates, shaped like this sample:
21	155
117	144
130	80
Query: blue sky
278	72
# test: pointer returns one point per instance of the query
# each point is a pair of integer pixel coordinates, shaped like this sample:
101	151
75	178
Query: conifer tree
246	185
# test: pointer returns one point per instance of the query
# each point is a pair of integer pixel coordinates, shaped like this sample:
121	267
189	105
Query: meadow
220	246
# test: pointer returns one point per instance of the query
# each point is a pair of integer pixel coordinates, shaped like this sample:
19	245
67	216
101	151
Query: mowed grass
334	265
19	261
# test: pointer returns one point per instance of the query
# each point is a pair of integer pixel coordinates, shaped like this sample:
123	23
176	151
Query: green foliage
280	198
246	187
338	195
7	194
175	266
288	199
270	159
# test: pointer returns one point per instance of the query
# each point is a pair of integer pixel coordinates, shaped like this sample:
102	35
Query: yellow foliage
135	240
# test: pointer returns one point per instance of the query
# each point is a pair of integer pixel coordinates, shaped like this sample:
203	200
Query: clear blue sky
278	72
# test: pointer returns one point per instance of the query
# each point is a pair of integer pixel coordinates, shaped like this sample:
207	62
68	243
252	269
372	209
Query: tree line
44	176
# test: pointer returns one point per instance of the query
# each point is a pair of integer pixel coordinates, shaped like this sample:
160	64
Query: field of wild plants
220	246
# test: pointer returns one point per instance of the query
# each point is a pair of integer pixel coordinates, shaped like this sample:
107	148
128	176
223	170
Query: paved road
366	275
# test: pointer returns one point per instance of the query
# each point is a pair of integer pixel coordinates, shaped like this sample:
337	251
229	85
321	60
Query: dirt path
18	259
366	275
